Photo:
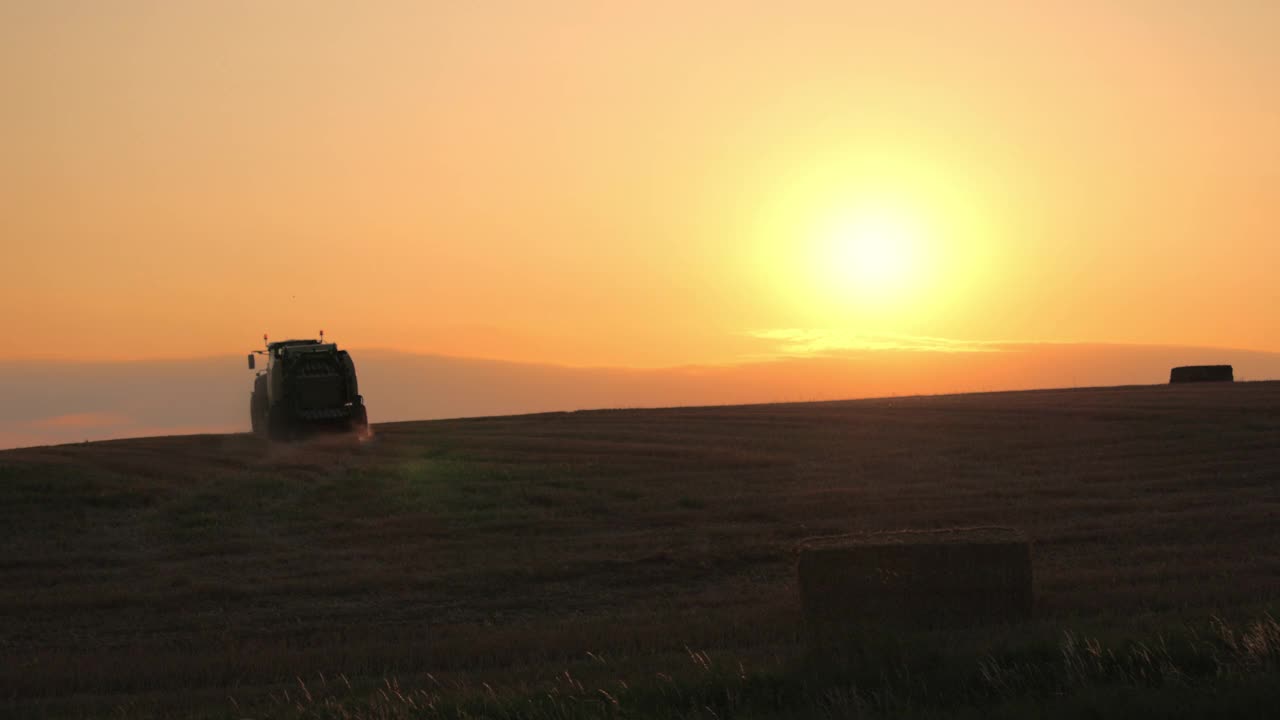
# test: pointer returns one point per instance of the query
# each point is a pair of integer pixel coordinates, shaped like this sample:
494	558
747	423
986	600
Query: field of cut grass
641	562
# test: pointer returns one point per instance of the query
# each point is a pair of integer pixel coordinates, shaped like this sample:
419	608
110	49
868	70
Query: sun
891	244
871	253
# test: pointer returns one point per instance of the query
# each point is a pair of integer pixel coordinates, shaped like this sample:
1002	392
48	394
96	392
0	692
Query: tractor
308	386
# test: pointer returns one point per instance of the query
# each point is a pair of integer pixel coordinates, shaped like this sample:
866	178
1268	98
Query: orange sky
641	185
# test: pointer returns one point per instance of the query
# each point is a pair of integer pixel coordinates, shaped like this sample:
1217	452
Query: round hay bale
1202	373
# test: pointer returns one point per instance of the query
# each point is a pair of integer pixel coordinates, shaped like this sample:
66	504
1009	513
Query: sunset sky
637	184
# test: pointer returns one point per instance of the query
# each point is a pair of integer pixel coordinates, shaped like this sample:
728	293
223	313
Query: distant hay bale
1201	373
923	578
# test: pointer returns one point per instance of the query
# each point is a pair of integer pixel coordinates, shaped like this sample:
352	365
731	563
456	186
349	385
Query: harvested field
176	572
954	576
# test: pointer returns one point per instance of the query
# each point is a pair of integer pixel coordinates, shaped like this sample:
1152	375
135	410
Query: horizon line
751	359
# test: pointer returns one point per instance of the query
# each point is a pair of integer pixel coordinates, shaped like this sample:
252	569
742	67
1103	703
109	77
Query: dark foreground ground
629	563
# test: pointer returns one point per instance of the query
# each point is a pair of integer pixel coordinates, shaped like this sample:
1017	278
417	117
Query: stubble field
641	562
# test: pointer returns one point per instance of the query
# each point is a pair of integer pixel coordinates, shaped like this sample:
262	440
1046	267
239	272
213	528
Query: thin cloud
82	420
821	342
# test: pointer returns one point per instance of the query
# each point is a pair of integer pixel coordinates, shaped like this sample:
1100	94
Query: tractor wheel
359	420
258	406
258	414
